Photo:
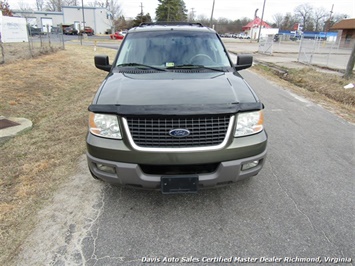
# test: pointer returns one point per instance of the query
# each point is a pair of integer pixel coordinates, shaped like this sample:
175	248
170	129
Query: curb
10	132
274	67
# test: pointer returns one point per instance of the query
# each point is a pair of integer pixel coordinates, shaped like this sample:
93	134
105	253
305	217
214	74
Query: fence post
62	35
2	51
49	37
30	41
300	50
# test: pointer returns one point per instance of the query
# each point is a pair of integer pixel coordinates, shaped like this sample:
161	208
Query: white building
98	18
40	19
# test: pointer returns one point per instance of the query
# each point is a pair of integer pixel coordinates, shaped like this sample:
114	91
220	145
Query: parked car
55	30
117	36
276	38
227	35
244	36
174	114
32	31
70	31
295	38
88	30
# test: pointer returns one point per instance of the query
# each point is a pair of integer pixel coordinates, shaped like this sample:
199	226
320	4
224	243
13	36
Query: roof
256	23
345	24
31	12
164	26
85	7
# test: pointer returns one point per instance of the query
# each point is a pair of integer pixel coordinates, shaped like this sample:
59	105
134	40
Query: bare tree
304	13
114	7
115	12
71	3
5	10
203	19
96	4
278	19
319	16
39	5
24	6
54	5
337	17
288	22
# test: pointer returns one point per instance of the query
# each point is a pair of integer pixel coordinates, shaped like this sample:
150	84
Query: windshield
171	49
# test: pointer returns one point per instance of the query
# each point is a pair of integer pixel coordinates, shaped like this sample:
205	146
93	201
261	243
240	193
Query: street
300	206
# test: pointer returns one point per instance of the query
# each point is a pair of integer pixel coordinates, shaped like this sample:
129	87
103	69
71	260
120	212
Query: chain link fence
322	53
266	45
38	43
318	52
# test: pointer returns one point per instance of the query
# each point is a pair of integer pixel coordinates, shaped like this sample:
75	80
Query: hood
170	88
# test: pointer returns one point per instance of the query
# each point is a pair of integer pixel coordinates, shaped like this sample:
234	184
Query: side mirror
243	61
102	62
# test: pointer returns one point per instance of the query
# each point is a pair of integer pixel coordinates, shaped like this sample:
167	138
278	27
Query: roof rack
171	23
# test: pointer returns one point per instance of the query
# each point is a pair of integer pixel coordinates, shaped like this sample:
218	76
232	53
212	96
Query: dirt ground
53	91
53	220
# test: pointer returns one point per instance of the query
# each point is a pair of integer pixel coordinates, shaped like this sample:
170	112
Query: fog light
105	168
249	165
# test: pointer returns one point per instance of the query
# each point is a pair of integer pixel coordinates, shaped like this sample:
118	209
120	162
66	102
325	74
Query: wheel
201	58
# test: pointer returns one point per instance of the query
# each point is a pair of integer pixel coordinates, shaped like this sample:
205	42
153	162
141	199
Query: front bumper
128	164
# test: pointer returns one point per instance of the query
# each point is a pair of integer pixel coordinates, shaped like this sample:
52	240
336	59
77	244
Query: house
252	29
346	32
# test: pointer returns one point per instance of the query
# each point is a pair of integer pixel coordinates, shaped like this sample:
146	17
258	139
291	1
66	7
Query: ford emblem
179	133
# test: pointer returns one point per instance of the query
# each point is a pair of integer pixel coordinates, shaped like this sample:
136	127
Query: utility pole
82	5
329	20
192	18
212	14
262	19
83	30
141	12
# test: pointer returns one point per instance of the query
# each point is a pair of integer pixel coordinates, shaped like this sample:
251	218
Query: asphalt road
300	207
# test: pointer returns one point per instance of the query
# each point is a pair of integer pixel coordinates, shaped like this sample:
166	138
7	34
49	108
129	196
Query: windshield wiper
190	66
140	66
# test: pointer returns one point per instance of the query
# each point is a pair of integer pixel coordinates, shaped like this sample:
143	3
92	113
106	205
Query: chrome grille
154	132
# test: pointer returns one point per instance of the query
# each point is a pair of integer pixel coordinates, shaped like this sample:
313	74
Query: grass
53	91
35	47
330	85
324	88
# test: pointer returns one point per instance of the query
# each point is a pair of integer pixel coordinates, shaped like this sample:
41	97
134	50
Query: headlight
249	123
104	126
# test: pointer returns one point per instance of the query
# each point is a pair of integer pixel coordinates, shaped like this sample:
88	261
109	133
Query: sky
230	9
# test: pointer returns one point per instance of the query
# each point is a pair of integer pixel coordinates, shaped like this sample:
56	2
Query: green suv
174	114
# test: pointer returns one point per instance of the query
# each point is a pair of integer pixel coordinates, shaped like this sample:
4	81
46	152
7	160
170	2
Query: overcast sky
231	9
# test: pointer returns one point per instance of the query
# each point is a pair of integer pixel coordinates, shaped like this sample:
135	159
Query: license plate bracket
179	184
